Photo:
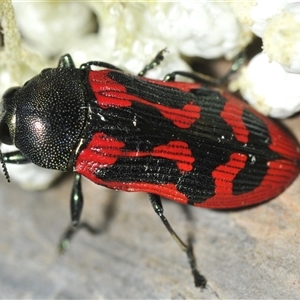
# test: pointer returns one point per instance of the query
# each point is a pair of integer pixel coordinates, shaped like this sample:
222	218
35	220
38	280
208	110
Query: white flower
269	88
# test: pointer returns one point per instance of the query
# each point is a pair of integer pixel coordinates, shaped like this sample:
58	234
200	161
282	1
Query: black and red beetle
188	142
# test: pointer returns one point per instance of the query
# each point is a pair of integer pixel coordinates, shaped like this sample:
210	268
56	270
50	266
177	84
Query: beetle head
45	117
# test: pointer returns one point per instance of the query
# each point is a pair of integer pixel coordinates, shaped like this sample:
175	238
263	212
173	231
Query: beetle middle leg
199	280
155	62
205	79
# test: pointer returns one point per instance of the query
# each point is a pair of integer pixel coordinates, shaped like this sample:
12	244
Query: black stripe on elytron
258	152
152	92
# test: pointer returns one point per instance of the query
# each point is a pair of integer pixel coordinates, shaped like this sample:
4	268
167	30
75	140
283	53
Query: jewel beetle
188	142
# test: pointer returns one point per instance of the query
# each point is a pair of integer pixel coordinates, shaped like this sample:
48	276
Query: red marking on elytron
281	142
280	175
103	151
112	94
225	174
178	151
232	115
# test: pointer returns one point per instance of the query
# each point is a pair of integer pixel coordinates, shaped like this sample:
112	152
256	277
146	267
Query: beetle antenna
4	167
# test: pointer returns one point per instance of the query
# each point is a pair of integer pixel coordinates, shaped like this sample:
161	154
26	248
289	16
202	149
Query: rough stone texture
249	253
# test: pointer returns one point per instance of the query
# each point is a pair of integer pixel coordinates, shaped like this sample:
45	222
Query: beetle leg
101	64
71	231
76	200
66	61
237	63
66	238
205	79
15	157
201	78
155	62
155	200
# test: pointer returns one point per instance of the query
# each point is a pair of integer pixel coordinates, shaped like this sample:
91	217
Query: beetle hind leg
199	280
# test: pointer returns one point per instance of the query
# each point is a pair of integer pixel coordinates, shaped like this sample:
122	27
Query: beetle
189	142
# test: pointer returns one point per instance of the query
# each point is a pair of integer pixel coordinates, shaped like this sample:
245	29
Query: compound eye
5	136
10	93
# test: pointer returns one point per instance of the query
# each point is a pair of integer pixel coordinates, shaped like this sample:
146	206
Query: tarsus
4	167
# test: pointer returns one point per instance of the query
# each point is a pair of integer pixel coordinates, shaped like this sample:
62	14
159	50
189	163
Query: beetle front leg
66	61
199	280
15	157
